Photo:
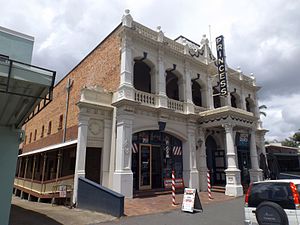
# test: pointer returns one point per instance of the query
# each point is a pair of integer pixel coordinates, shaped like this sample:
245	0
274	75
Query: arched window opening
233	100
196	93
142	76
217	98
172	86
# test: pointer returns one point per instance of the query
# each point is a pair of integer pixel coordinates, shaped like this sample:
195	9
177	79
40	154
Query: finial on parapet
253	78
127	19
160	35
204	40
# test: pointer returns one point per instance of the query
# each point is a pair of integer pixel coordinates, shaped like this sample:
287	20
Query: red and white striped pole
208	186
173	188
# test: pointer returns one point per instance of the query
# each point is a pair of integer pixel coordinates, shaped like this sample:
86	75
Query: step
220	189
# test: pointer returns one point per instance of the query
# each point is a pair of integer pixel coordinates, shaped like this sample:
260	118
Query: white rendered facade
109	120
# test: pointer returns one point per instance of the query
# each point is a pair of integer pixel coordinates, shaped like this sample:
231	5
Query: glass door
145	164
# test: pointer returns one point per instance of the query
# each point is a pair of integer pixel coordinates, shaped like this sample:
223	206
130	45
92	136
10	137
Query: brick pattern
100	68
52	139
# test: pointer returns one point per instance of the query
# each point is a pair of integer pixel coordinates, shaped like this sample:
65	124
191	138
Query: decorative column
161	84
187	91
233	174
106	153
126	89
83	122
255	172
209	96
190	172
201	159
123	176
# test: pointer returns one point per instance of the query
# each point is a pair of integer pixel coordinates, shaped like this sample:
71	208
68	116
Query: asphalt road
222	213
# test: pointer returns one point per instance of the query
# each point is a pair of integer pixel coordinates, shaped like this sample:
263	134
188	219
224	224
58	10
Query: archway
215	160
142	76
196	93
172	88
154	155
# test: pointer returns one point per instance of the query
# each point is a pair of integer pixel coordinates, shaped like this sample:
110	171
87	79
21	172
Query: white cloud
260	36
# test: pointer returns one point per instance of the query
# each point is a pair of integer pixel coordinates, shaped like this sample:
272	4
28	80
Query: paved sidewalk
163	203
24	212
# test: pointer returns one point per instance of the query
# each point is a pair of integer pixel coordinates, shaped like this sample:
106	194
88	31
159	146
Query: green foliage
293	141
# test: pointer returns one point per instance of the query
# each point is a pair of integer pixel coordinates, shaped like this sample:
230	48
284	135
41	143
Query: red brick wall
101	67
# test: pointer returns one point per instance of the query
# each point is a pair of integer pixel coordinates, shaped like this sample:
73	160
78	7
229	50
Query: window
60	123
30	137
142	76
196	93
49	128
172	88
35	133
43	130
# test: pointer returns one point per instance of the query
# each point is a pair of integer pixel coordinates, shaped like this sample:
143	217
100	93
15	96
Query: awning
48	148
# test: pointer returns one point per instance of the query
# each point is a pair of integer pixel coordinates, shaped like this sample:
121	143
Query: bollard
208	186
173	188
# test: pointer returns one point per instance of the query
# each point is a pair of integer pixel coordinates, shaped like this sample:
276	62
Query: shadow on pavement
21	216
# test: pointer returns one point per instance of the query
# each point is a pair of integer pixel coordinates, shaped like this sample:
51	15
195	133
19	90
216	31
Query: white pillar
126	89
209	96
80	153
123	176
255	171
190	172
161	81
233	174
187	91
106	153
201	159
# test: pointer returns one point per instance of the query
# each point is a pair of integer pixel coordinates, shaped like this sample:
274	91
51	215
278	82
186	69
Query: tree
293	141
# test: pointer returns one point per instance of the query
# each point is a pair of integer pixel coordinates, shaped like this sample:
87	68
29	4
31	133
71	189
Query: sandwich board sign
191	201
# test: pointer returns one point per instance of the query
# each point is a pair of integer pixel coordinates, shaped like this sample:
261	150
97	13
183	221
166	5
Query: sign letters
221	65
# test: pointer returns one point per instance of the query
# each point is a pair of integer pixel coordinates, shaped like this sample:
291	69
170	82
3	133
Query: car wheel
270	213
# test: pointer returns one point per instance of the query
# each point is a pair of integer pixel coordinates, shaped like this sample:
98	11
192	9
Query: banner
221	65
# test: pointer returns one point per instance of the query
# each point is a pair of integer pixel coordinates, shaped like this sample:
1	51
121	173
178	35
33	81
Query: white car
273	202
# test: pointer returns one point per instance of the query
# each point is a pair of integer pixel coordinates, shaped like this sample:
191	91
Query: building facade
137	107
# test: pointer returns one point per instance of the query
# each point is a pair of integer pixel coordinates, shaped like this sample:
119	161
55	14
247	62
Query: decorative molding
126	147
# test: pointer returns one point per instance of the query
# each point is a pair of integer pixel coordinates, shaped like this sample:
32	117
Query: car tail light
295	194
247	195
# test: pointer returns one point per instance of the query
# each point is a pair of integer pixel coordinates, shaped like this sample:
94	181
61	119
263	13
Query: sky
261	37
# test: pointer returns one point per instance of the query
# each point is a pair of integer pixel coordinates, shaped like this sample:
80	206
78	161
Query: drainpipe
68	88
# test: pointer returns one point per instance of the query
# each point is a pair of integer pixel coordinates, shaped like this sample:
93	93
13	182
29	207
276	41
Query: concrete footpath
24	212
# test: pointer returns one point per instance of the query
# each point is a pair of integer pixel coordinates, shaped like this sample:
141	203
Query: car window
279	193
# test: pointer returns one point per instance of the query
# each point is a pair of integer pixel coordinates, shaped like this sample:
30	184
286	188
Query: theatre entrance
154	155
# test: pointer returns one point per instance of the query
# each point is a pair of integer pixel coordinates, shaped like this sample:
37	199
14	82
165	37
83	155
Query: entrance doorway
216	163
154	154
93	164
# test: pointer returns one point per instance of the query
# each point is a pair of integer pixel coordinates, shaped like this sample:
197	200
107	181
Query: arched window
142	76
172	86
217	98
196	93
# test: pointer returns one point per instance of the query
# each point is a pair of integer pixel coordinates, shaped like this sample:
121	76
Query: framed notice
178	183
191	200
62	189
